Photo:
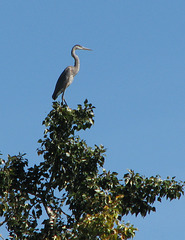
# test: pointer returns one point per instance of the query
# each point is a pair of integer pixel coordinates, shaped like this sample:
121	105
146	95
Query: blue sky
135	76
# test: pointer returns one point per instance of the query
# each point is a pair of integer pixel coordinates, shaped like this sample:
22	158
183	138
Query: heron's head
79	47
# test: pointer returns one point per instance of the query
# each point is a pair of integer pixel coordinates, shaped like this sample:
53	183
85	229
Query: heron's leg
63	100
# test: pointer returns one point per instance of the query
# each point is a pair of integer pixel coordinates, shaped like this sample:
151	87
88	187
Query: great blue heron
67	76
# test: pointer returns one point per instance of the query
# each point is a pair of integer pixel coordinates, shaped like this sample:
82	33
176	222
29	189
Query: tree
69	195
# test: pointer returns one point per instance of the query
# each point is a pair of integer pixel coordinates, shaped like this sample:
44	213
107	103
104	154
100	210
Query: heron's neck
77	62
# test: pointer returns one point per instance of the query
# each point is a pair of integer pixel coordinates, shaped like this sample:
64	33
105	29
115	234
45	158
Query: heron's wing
62	83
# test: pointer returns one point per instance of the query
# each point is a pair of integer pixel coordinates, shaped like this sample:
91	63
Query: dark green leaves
69	195
141	192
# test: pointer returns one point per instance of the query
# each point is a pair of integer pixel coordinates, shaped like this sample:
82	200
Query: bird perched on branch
67	76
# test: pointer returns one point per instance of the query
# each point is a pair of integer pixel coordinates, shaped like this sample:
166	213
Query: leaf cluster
69	195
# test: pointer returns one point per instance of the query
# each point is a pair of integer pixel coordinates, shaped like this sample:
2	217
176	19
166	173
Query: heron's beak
84	48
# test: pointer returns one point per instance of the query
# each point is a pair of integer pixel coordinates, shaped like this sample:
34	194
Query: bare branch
2	237
1	223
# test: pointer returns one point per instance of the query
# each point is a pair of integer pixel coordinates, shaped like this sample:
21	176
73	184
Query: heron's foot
64	103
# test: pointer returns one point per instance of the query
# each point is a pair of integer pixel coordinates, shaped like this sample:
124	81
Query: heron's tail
54	96
57	93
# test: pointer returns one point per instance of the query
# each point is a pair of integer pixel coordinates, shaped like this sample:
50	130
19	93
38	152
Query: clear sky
135	76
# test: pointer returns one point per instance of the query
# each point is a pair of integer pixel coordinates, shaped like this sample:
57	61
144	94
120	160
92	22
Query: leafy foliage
69	195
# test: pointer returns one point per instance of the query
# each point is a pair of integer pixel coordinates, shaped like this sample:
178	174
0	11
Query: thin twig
2	237
1	223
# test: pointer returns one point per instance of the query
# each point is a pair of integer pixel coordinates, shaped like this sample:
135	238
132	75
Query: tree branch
1	223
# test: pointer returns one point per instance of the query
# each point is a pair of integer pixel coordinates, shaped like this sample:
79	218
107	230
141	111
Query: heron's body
67	76
65	79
